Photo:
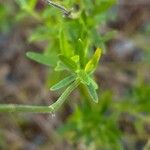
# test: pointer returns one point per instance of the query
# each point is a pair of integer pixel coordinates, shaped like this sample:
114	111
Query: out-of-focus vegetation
5	15
106	125
120	121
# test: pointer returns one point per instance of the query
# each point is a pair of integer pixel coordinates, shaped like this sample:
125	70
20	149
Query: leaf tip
27	54
96	100
52	89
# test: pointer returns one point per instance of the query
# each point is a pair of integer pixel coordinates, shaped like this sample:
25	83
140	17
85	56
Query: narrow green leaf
91	65
84	77
68	62
60	66
108	36
65	47
92	92
32	4
66	81
81	52
65	94
40	58
93	83
62	42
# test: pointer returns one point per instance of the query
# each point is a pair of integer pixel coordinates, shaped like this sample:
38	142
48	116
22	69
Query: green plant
99	129
6	13
72	51
75	38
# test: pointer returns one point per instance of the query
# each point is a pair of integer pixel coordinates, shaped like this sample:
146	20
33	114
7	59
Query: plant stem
63	9
12	108
24	108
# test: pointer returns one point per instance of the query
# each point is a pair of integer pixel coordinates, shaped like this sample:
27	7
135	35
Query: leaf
81	52
22	3
75	58
40	58
84	77
92	92
91	65
60	66
108	36
32	4
62	42
93	83
66	81
65	47
68	62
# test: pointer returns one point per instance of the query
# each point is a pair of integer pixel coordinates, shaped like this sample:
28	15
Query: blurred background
121	119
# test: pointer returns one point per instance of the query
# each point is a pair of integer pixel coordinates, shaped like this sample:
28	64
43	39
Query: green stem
40	109
63	9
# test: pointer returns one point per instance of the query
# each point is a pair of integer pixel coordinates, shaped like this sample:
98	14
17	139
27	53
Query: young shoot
80	71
